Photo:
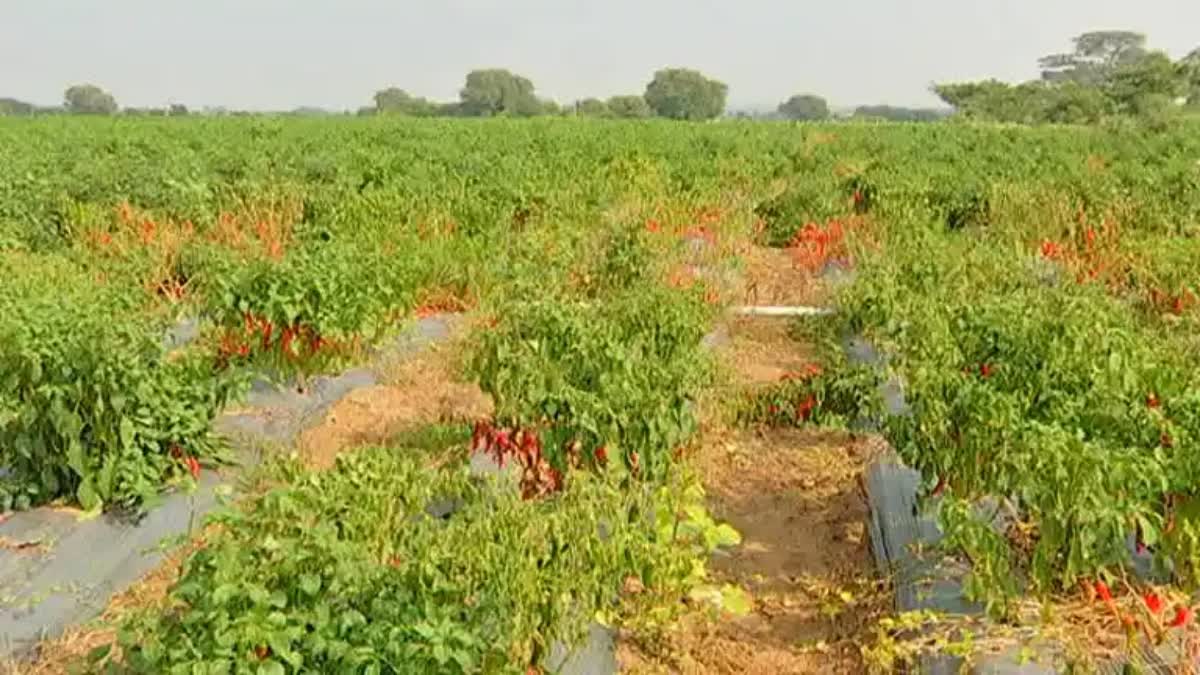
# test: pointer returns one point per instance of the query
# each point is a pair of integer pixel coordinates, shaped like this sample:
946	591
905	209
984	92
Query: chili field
1033	289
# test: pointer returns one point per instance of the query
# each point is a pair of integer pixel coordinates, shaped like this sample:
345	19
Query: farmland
1032	288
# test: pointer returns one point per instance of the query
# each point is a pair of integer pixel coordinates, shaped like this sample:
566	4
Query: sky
283	54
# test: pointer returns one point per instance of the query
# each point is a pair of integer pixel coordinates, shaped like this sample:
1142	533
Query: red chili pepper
1182	616
1152	400
601	455
261	652
985	370
1050	250
502	441
1103	592
1164	439
285	341
804	408
1153	602
267	329
193	466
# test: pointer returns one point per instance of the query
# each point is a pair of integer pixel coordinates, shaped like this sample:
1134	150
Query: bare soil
422	390
795	496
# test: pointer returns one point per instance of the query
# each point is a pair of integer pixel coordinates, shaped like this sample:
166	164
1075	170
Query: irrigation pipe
772	310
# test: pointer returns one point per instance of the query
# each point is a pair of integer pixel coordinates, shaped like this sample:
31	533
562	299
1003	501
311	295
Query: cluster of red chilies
524	447
814	245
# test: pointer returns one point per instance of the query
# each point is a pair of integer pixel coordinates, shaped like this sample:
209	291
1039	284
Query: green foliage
684	94
497	91
804	107
1096	55
623	373
88	99
394	101
12	106
591	107
899	114
1030	381
344	571
90	407
1110	73
629	107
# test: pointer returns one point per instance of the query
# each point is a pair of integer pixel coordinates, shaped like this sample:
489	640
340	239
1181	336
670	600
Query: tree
591	107
1146	86
496	91
804	107
12	106
177	110
996	101
1096	55
684	94
900	113
1190	72
396	101
88	99
629	107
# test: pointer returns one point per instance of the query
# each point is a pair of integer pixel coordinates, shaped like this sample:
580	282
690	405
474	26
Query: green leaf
98	654
224	593
75	458
128	433
310	584
736	601
271	667
725	535
87	496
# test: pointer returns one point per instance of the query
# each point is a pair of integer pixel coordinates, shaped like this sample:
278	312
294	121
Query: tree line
1107	74
674	93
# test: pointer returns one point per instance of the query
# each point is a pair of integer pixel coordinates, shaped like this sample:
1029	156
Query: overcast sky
281	54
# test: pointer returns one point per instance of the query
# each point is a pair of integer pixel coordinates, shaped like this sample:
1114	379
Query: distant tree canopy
1190	65
1095	56
496	91
591	107
804	107
684	94
629	107
1109	73
11	106
900	114
395	101
88	99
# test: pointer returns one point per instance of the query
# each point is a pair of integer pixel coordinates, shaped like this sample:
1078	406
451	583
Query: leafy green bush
90	407
623	372
345	571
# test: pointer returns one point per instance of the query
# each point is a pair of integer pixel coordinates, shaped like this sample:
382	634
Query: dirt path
795	496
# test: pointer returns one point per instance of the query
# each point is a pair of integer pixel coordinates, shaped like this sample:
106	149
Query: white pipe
768	310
